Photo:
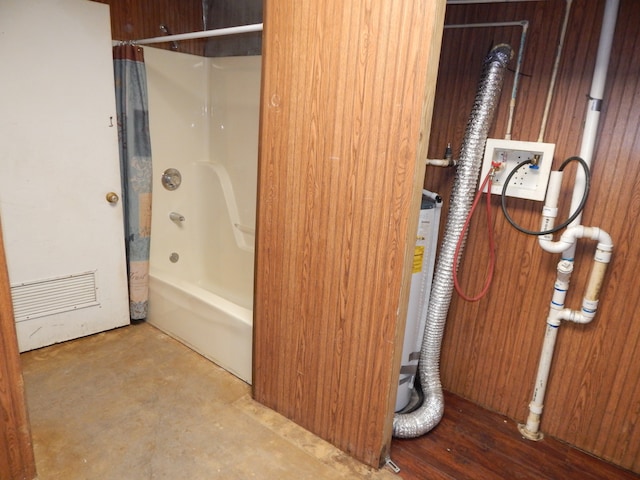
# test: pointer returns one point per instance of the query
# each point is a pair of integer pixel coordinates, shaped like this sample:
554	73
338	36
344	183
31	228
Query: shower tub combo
203	115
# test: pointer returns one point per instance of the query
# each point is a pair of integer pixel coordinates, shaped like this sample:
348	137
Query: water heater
424	255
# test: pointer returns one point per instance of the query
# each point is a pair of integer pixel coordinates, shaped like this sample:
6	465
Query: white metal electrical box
530	181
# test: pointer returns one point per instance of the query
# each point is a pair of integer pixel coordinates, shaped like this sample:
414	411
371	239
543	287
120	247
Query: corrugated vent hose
427	416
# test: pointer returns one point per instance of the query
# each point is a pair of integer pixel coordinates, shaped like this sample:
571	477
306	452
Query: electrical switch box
530	181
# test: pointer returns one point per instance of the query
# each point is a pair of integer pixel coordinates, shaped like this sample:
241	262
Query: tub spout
176	217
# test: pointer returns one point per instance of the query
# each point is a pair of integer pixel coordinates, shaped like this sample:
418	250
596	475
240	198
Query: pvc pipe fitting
436	162
570	236
553	190
564	269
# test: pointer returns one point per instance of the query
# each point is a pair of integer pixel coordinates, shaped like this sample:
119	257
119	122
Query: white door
58	162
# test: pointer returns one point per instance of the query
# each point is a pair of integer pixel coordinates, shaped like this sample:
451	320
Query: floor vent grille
55	295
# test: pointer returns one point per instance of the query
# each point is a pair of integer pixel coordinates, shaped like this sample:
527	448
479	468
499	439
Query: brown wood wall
134	20
137	19
342	123
491	348
16	451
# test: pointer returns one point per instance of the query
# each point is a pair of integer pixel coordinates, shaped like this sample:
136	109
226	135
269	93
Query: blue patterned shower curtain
135	165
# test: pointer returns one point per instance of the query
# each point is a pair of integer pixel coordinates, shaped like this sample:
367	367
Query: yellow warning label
418	254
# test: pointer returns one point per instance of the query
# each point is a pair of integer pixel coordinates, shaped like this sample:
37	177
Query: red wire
492	254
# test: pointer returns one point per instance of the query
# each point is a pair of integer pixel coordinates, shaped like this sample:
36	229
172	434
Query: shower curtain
135	166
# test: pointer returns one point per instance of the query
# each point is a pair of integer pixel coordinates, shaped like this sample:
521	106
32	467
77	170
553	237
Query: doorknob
112	198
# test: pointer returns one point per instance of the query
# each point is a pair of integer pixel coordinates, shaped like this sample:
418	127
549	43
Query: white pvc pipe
516	81
572	234
558	313
531	429
219	32
567	243
554	74
440	162
550	209
594	106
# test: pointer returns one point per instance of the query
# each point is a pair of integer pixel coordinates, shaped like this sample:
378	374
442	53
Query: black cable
571	218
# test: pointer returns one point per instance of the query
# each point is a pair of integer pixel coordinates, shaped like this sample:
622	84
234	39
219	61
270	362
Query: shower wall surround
204	123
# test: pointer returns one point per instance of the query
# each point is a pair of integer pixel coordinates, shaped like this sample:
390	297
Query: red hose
492	255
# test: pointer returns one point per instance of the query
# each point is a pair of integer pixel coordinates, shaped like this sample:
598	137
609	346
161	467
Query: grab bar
245	228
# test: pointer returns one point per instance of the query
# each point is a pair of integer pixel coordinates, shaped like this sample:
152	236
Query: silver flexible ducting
428	415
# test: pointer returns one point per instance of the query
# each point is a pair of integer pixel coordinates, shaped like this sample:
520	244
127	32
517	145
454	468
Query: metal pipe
462	2
513	23
430	412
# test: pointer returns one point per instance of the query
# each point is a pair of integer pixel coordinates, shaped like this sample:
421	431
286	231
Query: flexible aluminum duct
430	412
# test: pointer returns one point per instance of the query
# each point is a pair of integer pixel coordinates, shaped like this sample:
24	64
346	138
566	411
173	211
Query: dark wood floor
475	444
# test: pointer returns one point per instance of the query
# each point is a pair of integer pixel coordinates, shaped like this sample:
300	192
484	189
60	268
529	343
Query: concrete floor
135	404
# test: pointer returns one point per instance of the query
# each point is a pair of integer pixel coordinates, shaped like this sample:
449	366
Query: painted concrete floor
135	404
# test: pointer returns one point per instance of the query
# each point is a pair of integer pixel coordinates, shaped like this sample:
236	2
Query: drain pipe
430	412
567	243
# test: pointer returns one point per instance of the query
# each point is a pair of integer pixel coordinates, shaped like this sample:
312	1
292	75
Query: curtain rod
257	27
516	23
219	32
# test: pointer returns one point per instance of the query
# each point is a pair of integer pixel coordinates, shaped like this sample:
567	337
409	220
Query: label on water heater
418	255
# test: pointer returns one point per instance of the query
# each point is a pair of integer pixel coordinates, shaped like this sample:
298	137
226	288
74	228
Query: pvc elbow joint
575	316
446	162
572	234
548	245
589	309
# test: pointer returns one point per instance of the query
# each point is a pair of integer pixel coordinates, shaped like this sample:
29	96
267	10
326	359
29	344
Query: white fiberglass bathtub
208	323
203	115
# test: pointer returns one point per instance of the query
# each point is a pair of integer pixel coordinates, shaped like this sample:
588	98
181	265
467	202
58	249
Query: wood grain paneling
483	445
16	451
137	19
491	348
347	95
134	20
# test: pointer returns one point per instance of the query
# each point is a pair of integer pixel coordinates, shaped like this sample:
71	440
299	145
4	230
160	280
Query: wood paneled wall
134	19
16	451
347	94
491	348
137	19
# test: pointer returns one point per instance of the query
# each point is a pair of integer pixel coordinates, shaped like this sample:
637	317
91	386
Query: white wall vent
55	295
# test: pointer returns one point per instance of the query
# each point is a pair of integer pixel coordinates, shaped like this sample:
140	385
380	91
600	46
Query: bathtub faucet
176	217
